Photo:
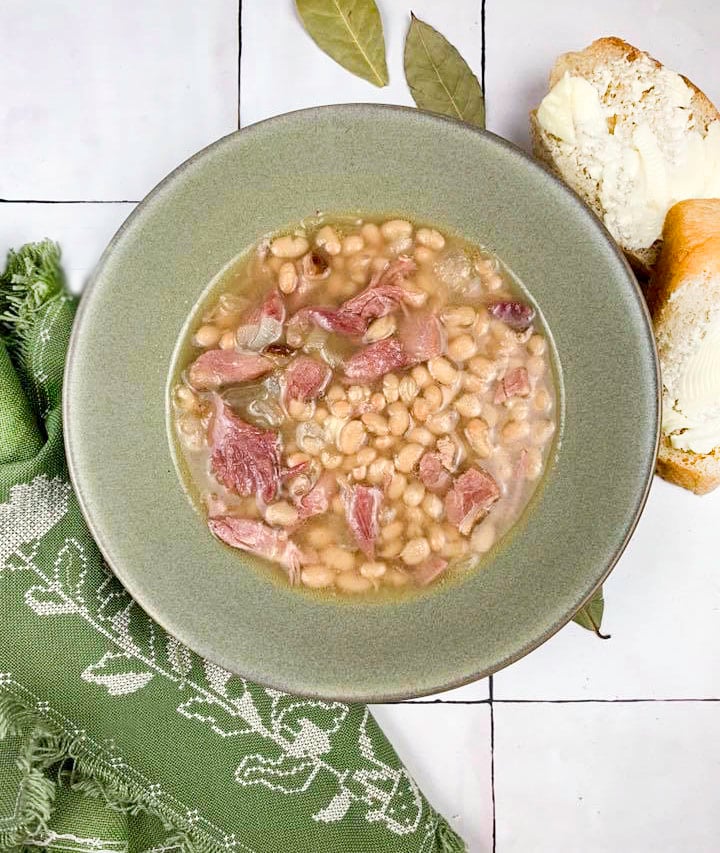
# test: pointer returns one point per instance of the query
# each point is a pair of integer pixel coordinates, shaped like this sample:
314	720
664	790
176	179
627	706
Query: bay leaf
350	32
590	615
439	78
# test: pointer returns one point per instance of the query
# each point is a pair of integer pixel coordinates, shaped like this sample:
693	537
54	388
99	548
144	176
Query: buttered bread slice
684	299
631	137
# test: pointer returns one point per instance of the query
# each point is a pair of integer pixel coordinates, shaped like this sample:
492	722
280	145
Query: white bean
317	577
431	238
327	239
281	513
408	457
415	551
207	336
287	277
395	229
352	437
289	246
414	494
351	582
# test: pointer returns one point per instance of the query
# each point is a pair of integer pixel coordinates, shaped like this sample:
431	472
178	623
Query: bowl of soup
362	403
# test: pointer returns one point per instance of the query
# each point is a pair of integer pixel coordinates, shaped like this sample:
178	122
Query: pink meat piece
422	336
245	458
383	295
517	315
470	498
317	500
362	505
258	538
218	367
262	325
433	475
429	570
375	360
515	383
306	378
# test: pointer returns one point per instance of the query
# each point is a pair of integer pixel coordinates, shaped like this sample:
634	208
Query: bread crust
699	474
582	63
691	250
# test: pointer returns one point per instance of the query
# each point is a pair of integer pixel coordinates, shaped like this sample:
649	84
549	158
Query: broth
367	403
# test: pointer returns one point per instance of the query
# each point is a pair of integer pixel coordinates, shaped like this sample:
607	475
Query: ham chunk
517	315
317	500
245	458
306	378
257	538
422	337
263	325
382	296
375	360
362	505
433	475
515	383
218	367
470	499
429	570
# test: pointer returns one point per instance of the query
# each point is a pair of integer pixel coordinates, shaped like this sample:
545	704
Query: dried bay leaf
590	615
439	78
350	32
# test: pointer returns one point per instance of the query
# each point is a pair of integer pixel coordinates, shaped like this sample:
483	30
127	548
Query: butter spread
644	157
691	410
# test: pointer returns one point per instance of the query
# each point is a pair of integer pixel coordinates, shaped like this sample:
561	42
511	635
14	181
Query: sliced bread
630	137
684	300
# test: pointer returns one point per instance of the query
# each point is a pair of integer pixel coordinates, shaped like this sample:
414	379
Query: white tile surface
83	231
607	778
283	69
523	39
447	750
662	606
101	99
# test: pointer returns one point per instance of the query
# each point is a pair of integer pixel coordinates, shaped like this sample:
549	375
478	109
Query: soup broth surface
367	403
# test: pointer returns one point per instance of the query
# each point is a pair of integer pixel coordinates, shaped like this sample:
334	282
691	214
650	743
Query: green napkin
113	735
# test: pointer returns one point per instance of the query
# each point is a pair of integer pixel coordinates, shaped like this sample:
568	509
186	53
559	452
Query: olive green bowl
218	601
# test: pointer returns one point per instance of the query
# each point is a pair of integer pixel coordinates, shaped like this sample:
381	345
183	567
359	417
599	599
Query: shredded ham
382	296
375	360
218	367
422	337
317	500
362	506
429	570
245	458
470	499
306	378
517	315
257	538
433	475
515	383
264	324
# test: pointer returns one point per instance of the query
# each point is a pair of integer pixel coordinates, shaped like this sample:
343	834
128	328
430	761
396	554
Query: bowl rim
360	107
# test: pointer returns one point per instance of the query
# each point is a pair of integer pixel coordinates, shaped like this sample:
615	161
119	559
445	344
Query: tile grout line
482	47
239	60
492	760
596	701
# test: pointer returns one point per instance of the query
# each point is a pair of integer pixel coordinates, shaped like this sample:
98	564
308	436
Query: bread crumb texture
630	136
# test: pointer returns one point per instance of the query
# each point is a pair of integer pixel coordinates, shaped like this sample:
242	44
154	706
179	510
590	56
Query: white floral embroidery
299	733
33	509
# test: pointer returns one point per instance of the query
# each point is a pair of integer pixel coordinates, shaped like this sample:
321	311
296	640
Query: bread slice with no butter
631	137
684	300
